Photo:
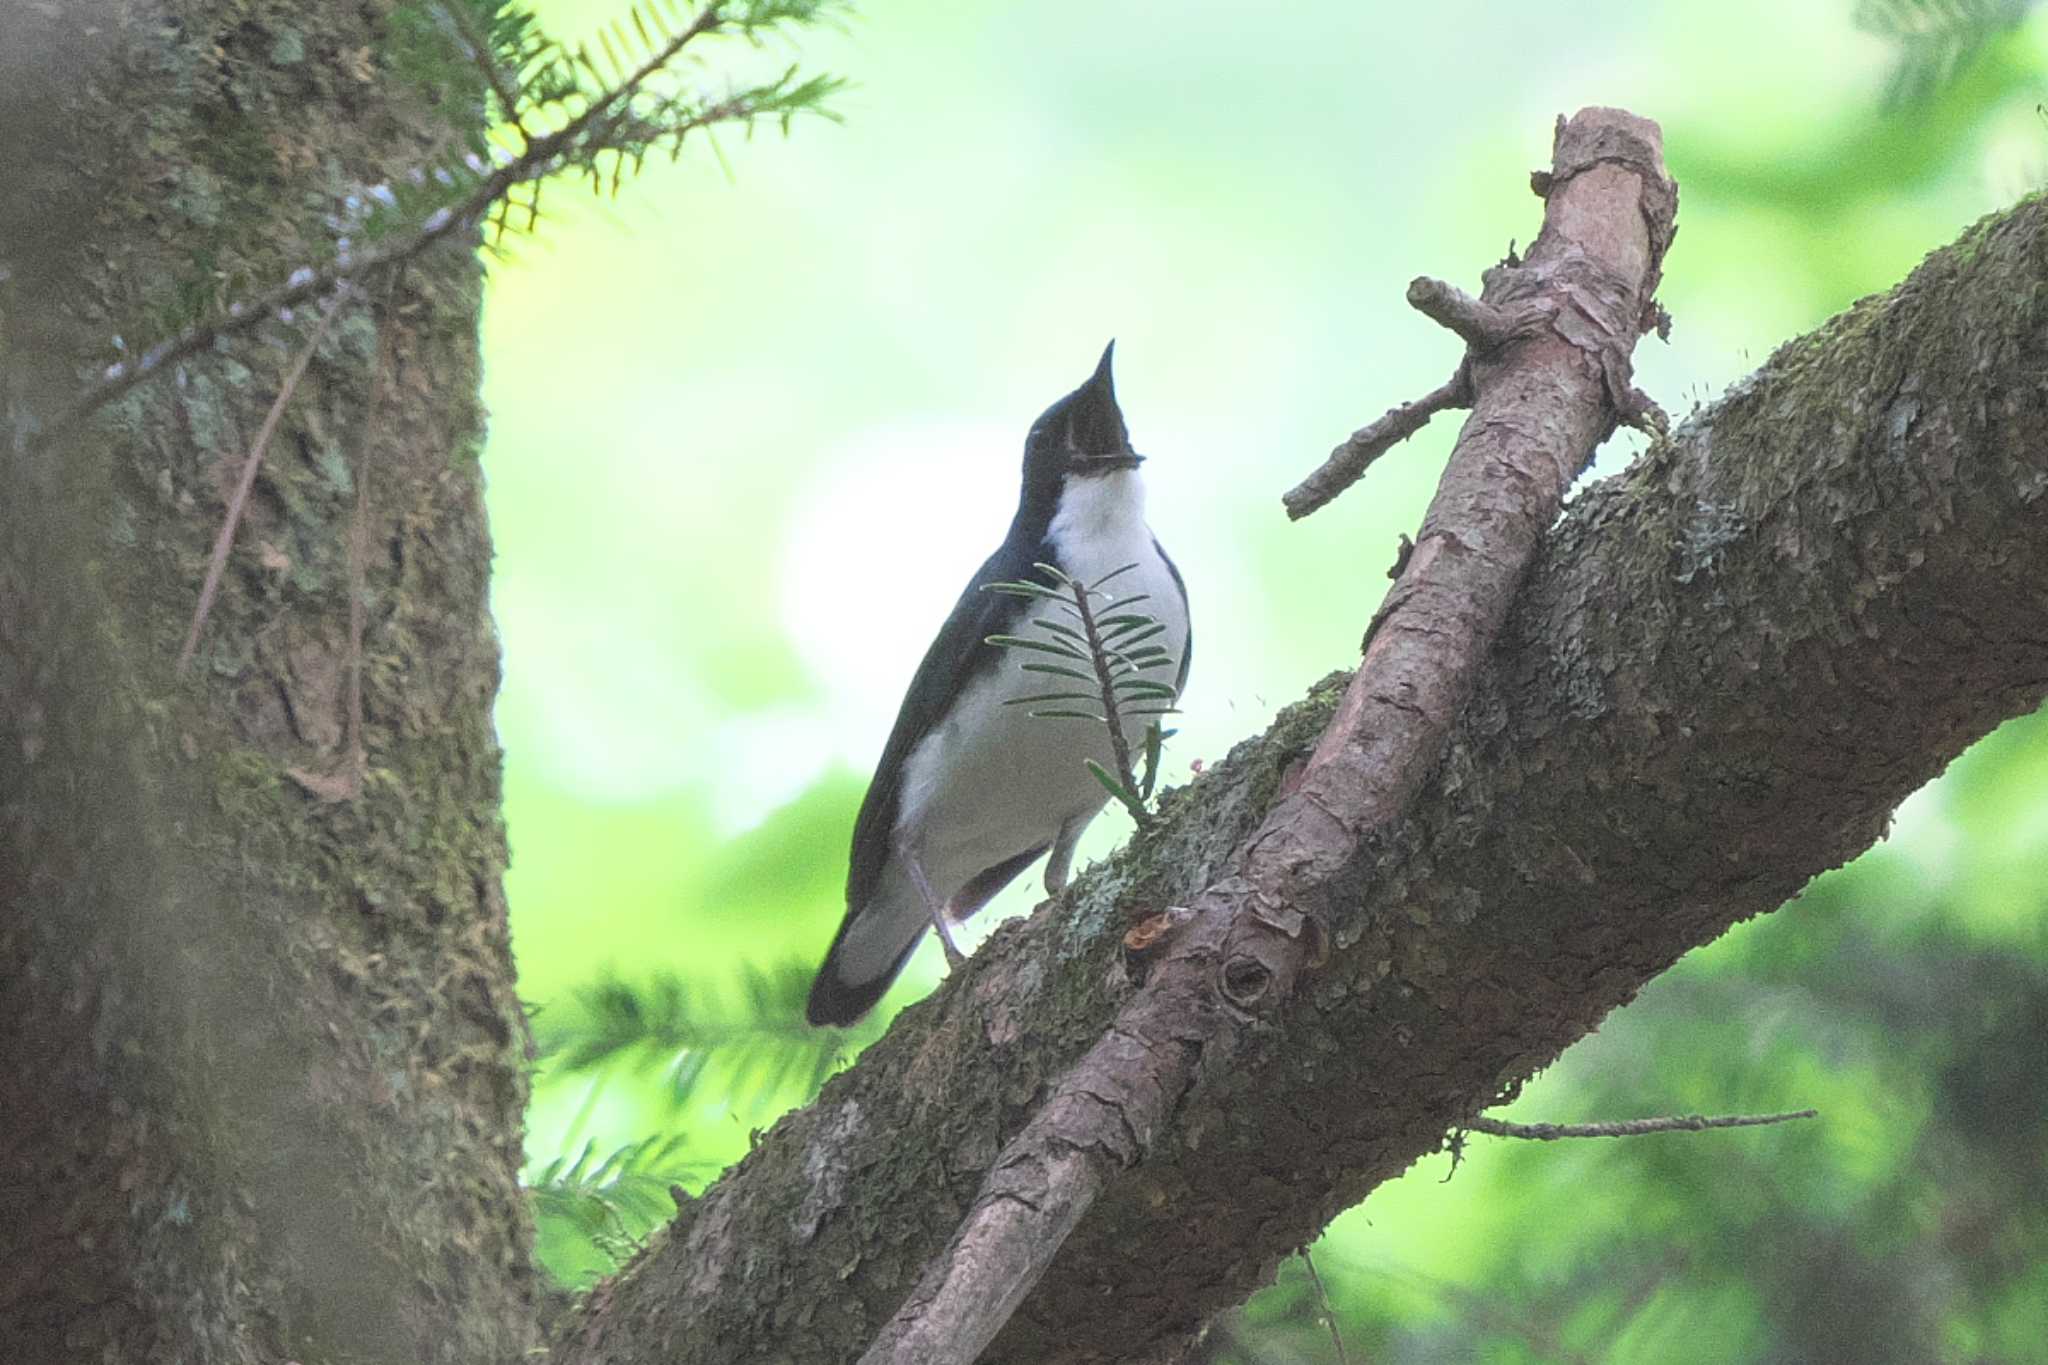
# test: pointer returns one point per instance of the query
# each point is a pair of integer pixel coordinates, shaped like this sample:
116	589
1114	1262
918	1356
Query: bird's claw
955	959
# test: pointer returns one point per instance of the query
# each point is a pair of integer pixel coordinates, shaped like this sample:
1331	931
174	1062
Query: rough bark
261	1090
1729	665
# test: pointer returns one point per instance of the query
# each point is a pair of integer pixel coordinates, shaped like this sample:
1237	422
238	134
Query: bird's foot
933	906
955	959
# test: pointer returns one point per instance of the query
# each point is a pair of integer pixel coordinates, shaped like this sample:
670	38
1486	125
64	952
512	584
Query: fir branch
757	1042
614	123
485	51
1936	39
1126	787
1112	643
613	1202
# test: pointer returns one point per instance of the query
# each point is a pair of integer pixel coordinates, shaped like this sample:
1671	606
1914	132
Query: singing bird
969	792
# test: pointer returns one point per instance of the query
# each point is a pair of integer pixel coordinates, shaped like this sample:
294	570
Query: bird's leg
937	908
1062	858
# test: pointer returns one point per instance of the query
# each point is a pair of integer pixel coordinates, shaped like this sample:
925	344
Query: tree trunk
262	1090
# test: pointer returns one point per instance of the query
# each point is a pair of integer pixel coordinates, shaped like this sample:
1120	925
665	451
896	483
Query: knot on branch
1483	326
1268	949
1245	982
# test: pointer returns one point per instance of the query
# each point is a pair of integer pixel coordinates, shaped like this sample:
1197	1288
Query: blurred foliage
691	701
743	1050
591	1212
751	1040
1936	39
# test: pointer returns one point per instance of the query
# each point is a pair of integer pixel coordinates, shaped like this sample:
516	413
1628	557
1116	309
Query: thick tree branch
1727	667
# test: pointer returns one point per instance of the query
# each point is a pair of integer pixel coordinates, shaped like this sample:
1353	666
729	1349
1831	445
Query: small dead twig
1329	1314
356	761
359	550
225	541
1348	462
1676	1123
1482	326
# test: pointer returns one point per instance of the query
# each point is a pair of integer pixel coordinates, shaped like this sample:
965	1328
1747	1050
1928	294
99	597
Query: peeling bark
1728	666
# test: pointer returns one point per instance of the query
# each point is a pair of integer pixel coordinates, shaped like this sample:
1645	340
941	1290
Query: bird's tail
841	995
877	938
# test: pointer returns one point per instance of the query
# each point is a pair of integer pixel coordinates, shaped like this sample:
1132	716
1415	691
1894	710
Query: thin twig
1677	1123
1329	1313
1348	462
225	541
1483	326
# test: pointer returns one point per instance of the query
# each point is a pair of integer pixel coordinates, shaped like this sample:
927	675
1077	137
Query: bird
969	792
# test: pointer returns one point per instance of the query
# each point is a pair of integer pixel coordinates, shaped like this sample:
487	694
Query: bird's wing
957	655
1187	648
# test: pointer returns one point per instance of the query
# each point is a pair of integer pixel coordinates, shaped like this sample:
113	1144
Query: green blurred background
755	419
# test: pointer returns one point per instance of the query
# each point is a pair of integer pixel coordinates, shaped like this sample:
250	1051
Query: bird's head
1080	437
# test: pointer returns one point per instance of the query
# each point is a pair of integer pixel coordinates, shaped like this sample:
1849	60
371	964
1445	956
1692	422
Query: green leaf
1138	636
1154	741
1051	696
1070	715
1112	785
1060	670
1058	629
1113	573
1019	642
1021	589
